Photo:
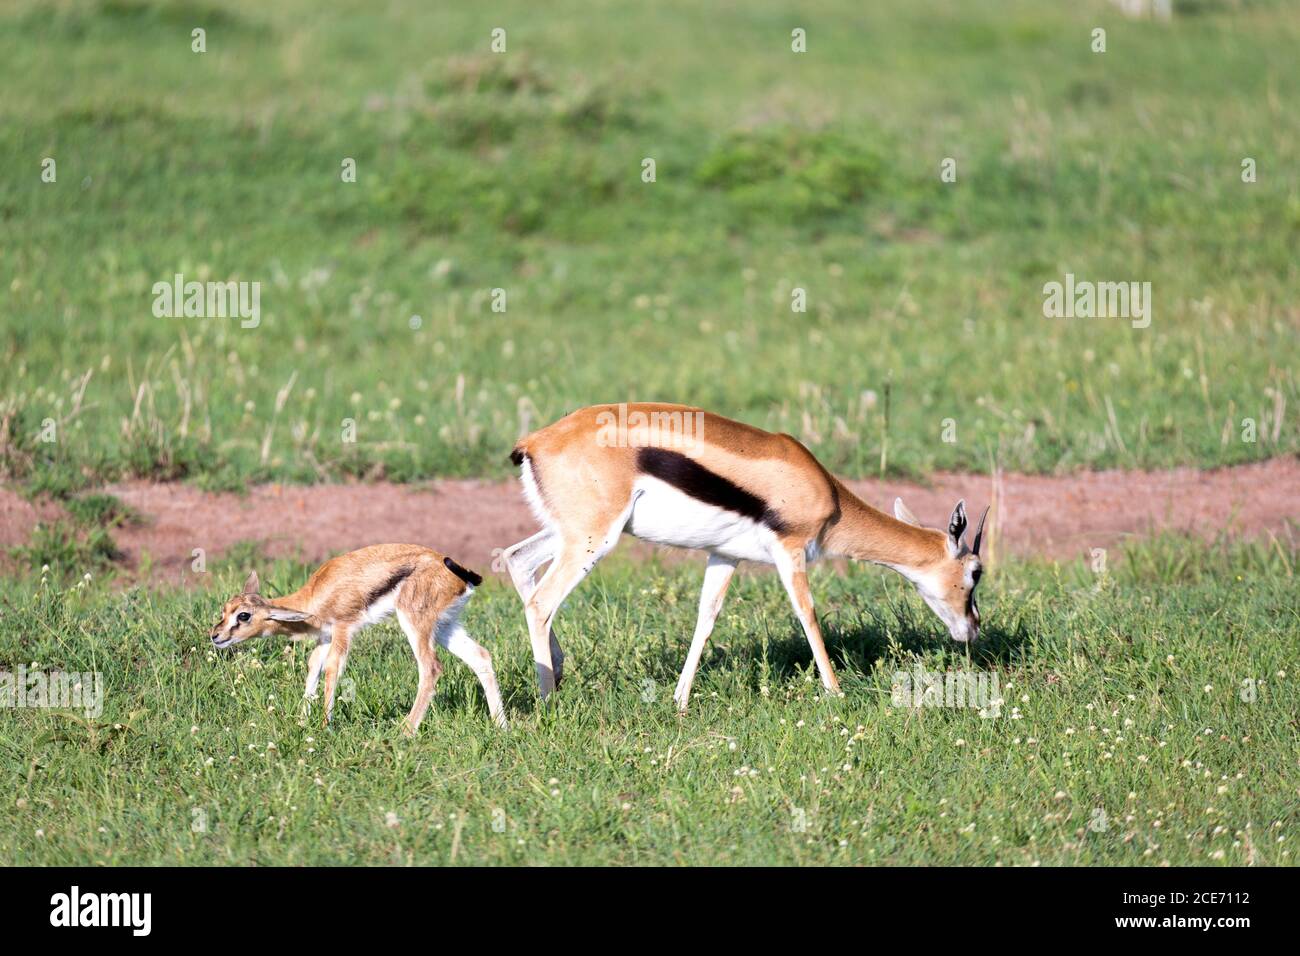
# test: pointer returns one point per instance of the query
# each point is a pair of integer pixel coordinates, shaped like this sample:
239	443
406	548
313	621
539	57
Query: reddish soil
1052	516
19	516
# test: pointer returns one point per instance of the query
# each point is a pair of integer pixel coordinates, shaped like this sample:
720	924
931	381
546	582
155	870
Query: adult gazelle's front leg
791	565
717	575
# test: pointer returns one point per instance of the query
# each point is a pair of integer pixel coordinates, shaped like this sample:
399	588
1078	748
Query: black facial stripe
394	579
691	478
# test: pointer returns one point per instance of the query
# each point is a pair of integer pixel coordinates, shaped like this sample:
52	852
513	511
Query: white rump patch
533	494
449	619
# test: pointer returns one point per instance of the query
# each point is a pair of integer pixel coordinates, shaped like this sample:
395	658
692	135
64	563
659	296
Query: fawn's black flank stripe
692	478
465	574
394	579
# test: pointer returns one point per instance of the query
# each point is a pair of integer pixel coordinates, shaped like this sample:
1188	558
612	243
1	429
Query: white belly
664	515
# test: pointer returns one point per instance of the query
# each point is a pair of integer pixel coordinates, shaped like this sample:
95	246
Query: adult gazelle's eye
243	617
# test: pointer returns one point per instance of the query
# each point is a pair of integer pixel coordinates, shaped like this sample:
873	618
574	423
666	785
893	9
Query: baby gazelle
347	593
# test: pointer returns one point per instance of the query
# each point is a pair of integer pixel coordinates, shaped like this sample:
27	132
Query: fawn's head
248	614
947	582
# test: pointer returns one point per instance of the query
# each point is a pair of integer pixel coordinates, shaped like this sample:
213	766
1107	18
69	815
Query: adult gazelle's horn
979	531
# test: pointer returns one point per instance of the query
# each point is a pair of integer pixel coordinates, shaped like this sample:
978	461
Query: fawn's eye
243	617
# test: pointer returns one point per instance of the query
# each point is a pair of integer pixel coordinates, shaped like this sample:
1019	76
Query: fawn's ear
285	614
251	585
902	513
957	524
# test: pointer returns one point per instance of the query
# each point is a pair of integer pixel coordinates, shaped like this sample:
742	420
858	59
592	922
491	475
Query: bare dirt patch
18	517
1060	517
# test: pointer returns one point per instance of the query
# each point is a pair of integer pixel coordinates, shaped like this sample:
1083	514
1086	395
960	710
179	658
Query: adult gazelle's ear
957	524
286	614
252	584
904	515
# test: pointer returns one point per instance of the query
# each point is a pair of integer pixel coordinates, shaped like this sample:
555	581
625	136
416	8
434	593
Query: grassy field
1143	716
521	171
1147	716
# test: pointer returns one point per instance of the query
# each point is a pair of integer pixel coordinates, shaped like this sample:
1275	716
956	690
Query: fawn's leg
315	667
335	661
457	640
426	659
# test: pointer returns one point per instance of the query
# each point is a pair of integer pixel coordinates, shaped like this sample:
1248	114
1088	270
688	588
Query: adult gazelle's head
948	581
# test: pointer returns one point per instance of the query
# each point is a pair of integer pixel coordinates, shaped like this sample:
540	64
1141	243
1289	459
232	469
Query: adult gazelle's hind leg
717	575
791	566
578	554
561	577
524	558
523	561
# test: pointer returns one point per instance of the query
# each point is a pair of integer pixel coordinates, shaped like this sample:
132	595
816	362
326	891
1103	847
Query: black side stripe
394	579
464	573
692	478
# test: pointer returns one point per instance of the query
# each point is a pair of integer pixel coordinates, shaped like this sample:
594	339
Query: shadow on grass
855	651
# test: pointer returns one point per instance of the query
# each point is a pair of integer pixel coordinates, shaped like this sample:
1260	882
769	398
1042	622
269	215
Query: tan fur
586	485
336	602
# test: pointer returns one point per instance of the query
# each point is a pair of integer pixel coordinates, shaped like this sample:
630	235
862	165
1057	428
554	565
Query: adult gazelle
681	476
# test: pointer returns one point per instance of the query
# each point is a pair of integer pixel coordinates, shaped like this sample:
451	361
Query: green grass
1162	697
1124	697
522	171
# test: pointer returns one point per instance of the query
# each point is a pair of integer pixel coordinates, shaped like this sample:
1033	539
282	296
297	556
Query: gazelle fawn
681	476
426	590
